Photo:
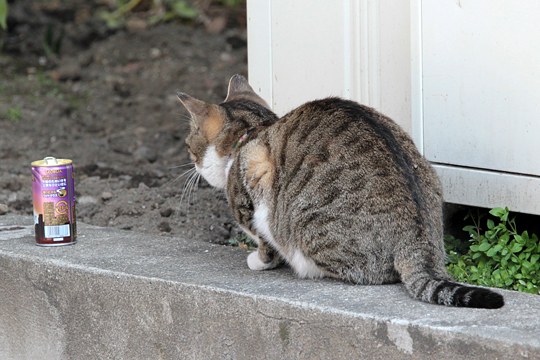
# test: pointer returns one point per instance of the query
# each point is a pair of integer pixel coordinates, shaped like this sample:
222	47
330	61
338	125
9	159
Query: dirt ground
108	102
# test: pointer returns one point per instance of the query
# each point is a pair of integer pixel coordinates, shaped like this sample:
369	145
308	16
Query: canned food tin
53	191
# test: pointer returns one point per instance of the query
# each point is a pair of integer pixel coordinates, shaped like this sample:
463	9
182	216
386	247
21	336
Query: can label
53	190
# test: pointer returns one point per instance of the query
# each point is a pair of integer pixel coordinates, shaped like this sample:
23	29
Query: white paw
255	263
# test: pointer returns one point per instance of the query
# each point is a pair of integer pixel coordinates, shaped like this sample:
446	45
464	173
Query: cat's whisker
187	186
184	190
181	166
188	172
185	173
185	117
194	188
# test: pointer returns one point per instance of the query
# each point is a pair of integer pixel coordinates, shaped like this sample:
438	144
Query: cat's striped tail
444	292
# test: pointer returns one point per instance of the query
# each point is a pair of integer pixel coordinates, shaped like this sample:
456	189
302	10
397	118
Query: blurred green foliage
498	256
243	241
3	14
162	10
52	41
14	114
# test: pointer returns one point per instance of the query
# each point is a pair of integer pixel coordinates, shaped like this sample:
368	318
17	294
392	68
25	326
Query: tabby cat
333	188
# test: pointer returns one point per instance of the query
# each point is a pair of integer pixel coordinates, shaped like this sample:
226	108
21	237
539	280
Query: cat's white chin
214	168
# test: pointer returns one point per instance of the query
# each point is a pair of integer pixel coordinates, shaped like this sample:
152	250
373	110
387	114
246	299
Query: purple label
53	189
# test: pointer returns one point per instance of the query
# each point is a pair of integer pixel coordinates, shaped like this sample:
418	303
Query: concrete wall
123	295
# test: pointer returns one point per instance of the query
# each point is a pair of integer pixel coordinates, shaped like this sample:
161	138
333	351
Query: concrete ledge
122	295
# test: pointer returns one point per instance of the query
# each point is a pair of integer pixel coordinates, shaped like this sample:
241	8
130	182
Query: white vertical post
259	26
417	111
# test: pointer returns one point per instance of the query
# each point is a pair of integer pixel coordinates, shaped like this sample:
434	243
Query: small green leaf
484	246
470	229
184	10
492	251
498	212
520	239
3	14
490	224
517	247
504	238
476	255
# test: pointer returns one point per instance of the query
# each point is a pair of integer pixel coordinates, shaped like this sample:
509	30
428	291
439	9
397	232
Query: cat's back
346	134
337	156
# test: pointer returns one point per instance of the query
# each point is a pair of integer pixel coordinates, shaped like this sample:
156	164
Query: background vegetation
3	14
117	13
499	255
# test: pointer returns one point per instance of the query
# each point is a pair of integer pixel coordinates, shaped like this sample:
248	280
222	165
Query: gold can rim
55	162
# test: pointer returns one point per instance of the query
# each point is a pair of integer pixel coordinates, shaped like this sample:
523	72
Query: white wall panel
481	83
307	52
461	76
259	18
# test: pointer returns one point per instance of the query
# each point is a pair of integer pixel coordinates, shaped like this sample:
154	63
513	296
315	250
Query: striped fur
344	190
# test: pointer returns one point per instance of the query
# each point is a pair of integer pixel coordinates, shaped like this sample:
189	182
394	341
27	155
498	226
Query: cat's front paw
255	262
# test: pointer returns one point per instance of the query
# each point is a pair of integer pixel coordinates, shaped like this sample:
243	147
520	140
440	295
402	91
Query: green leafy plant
243	241
14	114
154	12
499	256
3	14
49	87
182	9
232	3
164	10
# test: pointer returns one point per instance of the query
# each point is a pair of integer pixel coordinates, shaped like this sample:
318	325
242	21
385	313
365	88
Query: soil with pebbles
108	102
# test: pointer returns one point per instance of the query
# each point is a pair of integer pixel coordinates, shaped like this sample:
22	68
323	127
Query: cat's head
216	128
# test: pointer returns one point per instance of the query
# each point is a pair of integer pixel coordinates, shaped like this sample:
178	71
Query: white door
481	84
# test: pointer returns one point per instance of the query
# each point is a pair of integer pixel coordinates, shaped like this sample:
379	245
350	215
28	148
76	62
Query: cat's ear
240	88
205	116
238	85
197	108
